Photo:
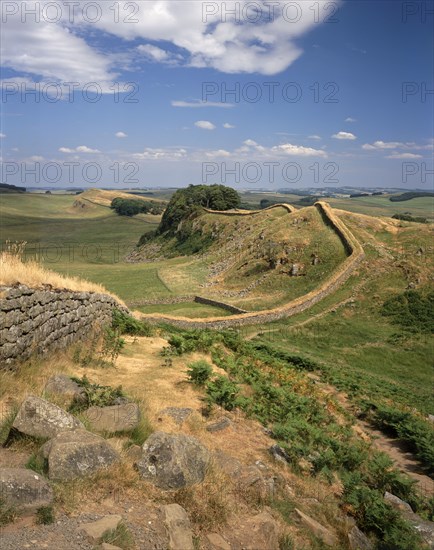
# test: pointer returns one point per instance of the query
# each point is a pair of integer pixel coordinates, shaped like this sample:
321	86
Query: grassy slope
362	352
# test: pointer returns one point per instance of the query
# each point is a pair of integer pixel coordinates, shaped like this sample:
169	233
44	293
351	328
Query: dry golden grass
104	198
13	270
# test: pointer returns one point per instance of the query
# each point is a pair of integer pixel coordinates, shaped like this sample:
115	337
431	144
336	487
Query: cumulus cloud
2	136
205	125
314	136
396	155
344	135
121	135
194	104
299	150
350	119
54	51
393	145
166	154
79	149
228	126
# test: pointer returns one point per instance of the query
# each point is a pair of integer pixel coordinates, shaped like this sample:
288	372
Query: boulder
260	532
324	534
95	530
117	418
77	453
178	528
358	540
62	386
397	503
39	418
24	489
173	461
220	424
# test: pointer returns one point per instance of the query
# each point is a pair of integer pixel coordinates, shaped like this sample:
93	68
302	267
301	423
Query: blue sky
351	84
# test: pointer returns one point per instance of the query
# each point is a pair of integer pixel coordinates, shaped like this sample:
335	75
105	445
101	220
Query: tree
185	202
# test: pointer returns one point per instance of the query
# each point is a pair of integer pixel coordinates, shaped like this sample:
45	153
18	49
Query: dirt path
403	459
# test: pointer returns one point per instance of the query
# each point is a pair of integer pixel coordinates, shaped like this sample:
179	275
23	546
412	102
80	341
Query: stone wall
44	319
217	303
288	207
335	281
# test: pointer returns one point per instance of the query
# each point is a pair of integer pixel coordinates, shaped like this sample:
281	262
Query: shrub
96	395
7	513
120	537
413	310
222	391
199	372
129	325
45	515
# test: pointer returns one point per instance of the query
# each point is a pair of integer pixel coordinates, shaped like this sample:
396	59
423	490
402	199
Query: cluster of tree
7	188
310	200
186	201
132	207
410	195
409	218
355	195
266	203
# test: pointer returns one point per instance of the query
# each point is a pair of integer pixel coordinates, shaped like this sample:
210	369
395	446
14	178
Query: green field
381	206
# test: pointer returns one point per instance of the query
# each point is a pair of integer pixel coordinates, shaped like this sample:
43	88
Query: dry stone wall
44	319
355	256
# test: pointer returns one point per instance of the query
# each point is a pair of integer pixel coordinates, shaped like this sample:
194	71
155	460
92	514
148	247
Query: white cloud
79	149
205	125
150	153
54	51
153	52
395	145
350	119
2	136
299	150
121	135
226	39
314	136
344	135
36	158
217	154
195	104
396	155
228	126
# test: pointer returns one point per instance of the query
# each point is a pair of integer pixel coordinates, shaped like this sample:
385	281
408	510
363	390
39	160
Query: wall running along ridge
355	256
44	319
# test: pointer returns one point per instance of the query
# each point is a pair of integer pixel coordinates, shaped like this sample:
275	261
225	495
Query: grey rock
62	385
178	527
179	414
117	418
397	502
324	534
173	461
219	425
39	418
95	530
24	489
77	453
358	540
279	453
